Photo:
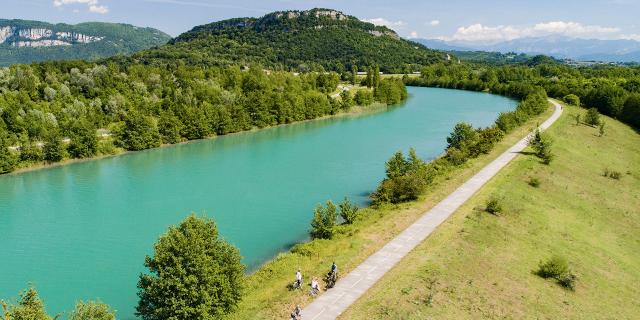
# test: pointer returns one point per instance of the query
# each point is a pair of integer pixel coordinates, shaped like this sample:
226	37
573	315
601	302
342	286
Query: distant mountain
563	47
24	41
437	44
297	40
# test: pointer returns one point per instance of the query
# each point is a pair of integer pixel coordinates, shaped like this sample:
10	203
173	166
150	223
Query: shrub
553	268
577	117
616	175
592	117
601	128
494	206
348	211
534	182
568	281
324	221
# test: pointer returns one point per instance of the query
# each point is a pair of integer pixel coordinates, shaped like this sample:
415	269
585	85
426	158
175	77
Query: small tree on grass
592	117
324	221
348	211
601	128
541	144
193	274
92	310
577	117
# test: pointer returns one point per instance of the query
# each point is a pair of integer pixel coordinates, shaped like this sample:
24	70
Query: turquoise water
81	231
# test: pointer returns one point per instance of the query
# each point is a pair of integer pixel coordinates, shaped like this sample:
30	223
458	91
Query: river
81	231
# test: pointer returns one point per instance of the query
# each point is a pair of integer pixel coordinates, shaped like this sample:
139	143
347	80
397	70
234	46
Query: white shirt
298	276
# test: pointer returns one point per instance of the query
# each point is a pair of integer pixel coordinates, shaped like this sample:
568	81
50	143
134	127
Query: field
479	265
267	296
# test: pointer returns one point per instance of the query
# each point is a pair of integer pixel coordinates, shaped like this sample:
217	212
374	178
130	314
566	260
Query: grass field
478	265
267	296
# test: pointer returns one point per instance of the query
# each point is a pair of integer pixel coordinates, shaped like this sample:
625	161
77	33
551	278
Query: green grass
478	265
266	295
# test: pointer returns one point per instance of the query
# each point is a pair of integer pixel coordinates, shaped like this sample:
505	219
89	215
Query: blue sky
464	20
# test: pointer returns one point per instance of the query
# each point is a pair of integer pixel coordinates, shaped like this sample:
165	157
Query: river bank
353	111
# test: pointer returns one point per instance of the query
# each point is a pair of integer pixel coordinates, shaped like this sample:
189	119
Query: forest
52	111
612	90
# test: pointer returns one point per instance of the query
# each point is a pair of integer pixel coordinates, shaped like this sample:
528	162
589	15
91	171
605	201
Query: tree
376	77
601	128
92	310
541	144
354	74
139	132
54	149
592	117
193	274
348	211
29	307
324	221
397	166
84	143
462	137
8	160
572	99
631	110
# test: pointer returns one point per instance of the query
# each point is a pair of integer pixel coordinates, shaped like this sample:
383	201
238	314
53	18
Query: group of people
332	277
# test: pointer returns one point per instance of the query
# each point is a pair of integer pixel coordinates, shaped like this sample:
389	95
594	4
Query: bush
29	307
568	281
592	117
348	211
494	206
534	182
193	274
558	268
324	221
553	268
616	175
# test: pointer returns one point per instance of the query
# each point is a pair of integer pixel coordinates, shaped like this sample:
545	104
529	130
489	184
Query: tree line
613	90
51	111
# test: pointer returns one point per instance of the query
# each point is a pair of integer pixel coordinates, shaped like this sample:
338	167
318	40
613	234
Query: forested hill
23	41
297	40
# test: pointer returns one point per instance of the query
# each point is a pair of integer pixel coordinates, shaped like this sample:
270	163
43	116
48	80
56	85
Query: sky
461	20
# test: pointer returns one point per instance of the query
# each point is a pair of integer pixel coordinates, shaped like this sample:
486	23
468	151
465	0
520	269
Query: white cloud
434	22
92	5
413	35
98	9
384	22
479	32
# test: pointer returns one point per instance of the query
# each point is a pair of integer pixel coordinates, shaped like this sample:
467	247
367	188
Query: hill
297	40
479	265
24	41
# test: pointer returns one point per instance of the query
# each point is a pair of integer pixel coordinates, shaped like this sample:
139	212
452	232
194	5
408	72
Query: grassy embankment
477	265
267	296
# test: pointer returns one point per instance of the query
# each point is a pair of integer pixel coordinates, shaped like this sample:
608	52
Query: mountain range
23	41
557	46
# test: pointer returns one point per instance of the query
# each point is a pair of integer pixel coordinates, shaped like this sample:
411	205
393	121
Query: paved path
349	288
